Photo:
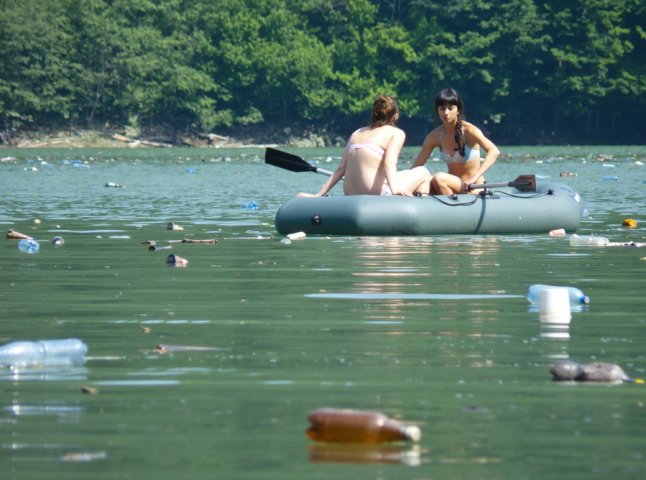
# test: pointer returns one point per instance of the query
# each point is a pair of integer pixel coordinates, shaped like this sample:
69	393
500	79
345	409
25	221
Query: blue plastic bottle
250	205
28	245
577	297
43	353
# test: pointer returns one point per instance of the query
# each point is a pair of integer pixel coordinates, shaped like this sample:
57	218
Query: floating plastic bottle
590	240
43	353
28	245
355	426
250	205
577	297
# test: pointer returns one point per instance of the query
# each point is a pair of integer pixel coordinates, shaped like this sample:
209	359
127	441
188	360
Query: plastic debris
569	370
588	240
173	226
28	245
176	261
355	426
13	235
296	236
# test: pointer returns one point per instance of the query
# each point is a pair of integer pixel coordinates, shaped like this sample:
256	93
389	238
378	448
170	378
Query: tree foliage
539	70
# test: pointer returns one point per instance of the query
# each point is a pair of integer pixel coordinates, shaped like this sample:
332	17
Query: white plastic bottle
43	353
590	240
577	297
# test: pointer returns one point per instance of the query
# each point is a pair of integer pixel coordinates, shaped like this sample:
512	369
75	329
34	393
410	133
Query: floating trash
569	370
173	226
630	223
591	240
296	236
250	205
28	245
13	235
355	426
176	261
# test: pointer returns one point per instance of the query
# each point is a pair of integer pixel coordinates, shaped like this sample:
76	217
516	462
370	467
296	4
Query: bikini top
372	147
469	153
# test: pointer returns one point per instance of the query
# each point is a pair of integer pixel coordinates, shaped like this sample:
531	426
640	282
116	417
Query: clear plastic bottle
577	297
28	245
592	240
355	426
43	353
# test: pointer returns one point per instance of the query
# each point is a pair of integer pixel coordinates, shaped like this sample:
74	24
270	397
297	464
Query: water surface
432	330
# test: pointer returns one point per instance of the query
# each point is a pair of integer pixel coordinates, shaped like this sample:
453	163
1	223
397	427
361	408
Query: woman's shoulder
469	127
434	136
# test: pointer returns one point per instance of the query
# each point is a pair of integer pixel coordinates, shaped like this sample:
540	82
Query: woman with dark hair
369	162
460	143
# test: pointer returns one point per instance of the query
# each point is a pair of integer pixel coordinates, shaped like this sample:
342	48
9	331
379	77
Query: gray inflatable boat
496	210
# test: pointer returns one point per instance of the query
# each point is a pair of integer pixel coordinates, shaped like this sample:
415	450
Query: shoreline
87	138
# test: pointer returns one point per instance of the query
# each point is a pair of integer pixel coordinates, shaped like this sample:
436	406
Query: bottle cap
413	433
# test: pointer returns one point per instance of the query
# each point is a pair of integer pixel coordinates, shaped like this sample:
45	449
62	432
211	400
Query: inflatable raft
497	210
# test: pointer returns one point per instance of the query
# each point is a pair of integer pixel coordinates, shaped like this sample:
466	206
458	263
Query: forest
530	71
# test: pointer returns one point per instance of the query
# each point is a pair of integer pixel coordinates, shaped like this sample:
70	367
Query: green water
320	322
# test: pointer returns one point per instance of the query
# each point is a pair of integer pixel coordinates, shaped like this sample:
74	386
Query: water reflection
43	374
410	455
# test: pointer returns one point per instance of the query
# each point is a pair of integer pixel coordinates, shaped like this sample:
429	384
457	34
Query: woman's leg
417	179
446	184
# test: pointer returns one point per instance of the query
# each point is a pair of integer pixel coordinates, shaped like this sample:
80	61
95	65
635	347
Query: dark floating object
569	370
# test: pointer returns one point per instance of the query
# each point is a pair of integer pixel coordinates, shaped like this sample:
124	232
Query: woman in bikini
460	143
369	162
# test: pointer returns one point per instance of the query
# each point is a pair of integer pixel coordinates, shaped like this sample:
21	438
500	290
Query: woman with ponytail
369	162
460	143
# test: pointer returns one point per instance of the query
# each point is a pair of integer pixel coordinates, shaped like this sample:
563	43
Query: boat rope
484	195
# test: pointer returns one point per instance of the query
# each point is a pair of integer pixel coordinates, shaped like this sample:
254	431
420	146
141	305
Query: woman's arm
427	149
478	137
390	160
331	182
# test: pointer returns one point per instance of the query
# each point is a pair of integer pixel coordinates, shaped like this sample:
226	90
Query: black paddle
291	162
524	183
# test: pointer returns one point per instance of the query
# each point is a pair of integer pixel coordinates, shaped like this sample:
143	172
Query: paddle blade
524	183
288	161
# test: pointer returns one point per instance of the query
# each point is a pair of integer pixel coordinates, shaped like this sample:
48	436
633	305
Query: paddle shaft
524	183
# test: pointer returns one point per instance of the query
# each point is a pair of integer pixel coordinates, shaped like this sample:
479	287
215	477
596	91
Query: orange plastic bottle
355	426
